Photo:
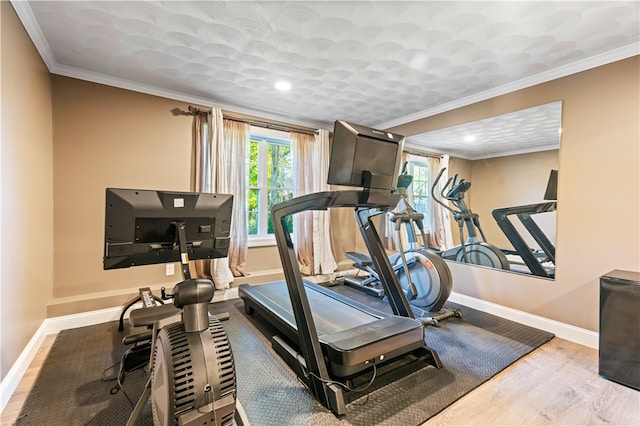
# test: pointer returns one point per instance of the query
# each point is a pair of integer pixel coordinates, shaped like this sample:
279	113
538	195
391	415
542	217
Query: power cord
119	381
342	385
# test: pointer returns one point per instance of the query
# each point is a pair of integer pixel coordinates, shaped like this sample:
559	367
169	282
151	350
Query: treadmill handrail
326	199
547	206
316	369
524	215
381	263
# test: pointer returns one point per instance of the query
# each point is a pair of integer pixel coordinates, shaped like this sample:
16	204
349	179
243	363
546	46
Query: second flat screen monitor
357	149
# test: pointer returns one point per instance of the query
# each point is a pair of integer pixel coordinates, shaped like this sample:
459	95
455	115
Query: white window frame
418	159
264	136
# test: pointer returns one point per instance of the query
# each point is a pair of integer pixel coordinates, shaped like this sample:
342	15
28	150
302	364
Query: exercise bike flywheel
193	379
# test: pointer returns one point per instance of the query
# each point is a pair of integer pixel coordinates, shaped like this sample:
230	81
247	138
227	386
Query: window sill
261	241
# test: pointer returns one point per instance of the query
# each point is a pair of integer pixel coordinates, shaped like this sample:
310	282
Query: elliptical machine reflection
423	275
474	250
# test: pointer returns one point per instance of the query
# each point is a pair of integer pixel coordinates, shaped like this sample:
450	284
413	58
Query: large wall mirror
509	161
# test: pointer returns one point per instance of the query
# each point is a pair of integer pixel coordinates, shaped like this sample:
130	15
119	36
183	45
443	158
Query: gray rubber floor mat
70	390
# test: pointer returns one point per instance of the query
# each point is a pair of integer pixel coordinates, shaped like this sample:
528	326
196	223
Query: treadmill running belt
351	334
329	315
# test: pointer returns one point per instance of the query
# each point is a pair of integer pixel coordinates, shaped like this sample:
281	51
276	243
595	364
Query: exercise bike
423	275
475	250
192	374
192	378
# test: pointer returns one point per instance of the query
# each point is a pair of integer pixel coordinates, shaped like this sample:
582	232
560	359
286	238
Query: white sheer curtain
302	150
324	260
437	225
237	137
311	230
210	175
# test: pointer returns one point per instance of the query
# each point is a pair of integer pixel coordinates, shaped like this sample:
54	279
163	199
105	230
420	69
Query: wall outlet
170	269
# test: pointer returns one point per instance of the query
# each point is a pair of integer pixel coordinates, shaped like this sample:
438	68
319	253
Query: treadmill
333	343
535	262
350	334
540	264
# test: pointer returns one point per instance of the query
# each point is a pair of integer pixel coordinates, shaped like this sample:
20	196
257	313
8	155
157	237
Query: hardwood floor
557	384
13	407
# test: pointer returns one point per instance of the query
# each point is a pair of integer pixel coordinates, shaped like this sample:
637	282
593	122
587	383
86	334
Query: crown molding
417	145
516	152
179	96
543	77
23	10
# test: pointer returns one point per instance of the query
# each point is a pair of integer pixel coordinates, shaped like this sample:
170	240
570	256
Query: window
419	168
270	181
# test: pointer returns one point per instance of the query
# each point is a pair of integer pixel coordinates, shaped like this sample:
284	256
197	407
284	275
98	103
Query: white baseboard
564	331
49	326
66	322
226	294
57	324
54	325
13	377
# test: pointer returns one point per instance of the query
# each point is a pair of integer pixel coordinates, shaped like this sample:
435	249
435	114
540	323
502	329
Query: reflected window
420	188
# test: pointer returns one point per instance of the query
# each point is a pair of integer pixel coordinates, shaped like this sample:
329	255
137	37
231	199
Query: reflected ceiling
528	130
380	63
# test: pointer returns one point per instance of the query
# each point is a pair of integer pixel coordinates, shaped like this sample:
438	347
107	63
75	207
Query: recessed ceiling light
470	138
283	86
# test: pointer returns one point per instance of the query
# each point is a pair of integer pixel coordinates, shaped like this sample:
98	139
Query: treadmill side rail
348	349
524	213
309	363
316	373
335	396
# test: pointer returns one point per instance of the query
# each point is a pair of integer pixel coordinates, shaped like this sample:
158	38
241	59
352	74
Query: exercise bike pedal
434	318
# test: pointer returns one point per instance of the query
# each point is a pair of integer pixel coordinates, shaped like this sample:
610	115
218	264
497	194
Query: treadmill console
364	157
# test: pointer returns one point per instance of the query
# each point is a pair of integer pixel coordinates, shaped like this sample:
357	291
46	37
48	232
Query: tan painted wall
598	218
503	182
345	235
26	194
110	137
115	105
512	181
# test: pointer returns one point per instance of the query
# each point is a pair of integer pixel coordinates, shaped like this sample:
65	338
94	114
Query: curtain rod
422	153
285	127
274	125
190	111
253	121
194	110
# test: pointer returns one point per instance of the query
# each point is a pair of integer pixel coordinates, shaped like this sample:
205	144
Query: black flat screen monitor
141	226
364	157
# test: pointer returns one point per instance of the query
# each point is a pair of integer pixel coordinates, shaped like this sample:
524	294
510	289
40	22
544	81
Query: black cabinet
619	353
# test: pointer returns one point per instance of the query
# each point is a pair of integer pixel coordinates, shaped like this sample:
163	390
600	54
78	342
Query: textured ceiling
378	63
528	130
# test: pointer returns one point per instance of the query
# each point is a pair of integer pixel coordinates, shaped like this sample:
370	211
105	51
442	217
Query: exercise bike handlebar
457	191
445	187
433	190
453	191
